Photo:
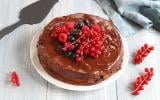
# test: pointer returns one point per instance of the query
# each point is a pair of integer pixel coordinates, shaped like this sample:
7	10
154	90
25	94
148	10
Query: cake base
90	71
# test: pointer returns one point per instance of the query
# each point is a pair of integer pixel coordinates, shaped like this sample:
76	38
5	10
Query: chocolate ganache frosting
83	71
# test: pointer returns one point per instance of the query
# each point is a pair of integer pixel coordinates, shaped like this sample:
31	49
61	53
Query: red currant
64	29
146	70
71	47
92	49
15	79
96	56
141	87
58	29
55	35
64	49
78	59
136	92
78	51
96	28
85	28
86	51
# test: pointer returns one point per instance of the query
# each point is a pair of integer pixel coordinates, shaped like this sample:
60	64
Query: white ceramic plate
35	61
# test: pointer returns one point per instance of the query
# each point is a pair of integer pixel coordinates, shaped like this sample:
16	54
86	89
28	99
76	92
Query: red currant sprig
142	80
142	53
15	80
92	44
80	39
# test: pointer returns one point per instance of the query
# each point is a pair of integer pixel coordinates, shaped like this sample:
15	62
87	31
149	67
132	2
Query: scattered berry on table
142	80
142	53
15	80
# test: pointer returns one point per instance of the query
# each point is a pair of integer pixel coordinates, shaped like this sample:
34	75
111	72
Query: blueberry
68	53
71	38
79	25
74	55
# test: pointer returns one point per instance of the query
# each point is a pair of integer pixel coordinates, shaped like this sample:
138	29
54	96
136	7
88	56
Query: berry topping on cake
81	39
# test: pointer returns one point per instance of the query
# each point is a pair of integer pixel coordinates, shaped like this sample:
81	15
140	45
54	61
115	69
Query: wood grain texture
151	91
14	55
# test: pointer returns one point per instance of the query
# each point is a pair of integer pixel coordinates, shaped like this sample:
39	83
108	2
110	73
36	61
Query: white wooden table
14	55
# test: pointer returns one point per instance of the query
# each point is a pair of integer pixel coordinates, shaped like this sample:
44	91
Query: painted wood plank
14	51
151	91
106	93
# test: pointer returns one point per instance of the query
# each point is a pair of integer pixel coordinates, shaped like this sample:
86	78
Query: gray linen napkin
153	14
124	12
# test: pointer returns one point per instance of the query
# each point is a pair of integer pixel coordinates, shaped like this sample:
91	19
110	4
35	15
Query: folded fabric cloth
153	14
118	9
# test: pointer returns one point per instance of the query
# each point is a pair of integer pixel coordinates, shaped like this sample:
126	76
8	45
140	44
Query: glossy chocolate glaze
90	71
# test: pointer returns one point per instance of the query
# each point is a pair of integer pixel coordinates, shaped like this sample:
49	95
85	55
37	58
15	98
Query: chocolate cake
80	49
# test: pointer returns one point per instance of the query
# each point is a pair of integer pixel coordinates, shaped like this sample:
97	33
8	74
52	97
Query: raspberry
62	37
